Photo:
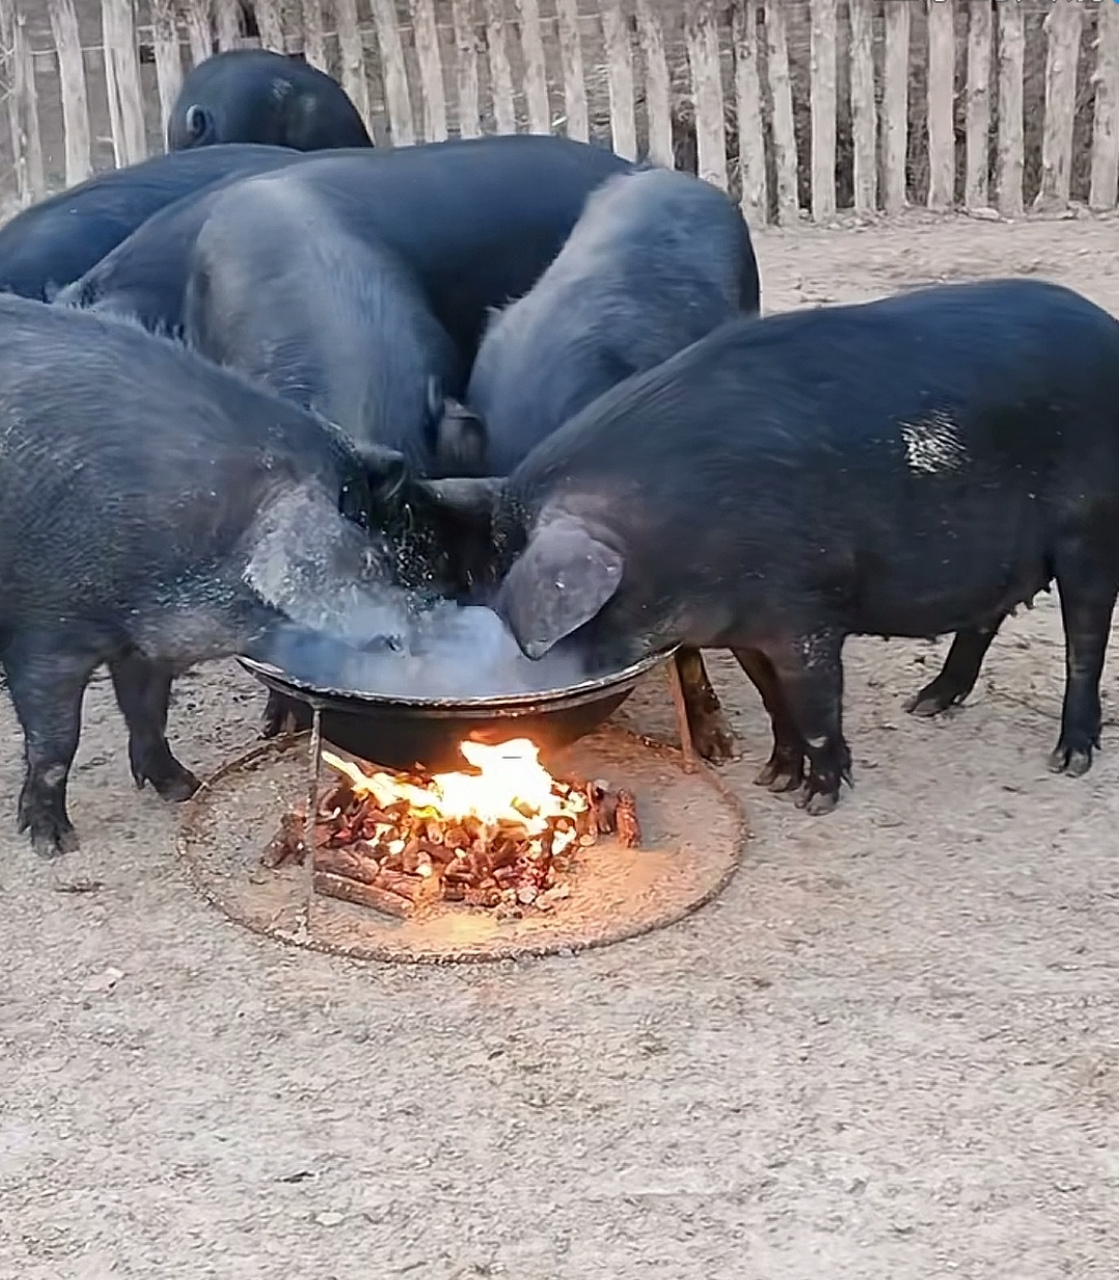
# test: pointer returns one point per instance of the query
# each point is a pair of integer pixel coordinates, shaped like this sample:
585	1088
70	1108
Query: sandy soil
890	1050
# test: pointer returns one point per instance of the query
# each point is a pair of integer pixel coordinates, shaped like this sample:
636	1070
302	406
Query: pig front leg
808	672
284	715
706	724
958	675
143	690
784	770
47	678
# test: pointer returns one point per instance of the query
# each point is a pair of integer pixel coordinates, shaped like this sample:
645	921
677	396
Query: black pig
56	241
656	261
279	290
157	511
908	467
476	219
257	95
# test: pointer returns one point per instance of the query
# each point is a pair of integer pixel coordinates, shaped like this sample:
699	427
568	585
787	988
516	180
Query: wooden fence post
702	38
895	106
748	102
822	95
200	30
941	95
619	79
501	74
978	104
314	36
658	93
23	105
122	82
864	115
1012	61
1105	127
270	24
397	98
1062	29
536	69
352	53
466	69
574	78
784	136
430	59
228	14
72	86
168	60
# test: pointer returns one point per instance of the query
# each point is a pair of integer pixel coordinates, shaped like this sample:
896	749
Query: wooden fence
799	108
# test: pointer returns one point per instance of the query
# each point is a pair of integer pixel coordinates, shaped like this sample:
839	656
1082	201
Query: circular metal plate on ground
693	832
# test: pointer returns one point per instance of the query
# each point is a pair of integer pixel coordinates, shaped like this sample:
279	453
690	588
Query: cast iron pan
424	733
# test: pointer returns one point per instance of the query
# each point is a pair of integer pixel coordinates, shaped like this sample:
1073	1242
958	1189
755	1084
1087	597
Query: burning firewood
501	838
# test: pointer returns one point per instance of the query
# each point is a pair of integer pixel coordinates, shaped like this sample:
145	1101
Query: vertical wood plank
978	104
822	104
228	15
701	36
658	91
270	24
352	54
864	113
122	75
24	104
1011	145
574	77
397	98
200	30
941	93
501	74
619	77
430	61
168	59
784	136
1062	29
748	102
536	71
72	85
1105	126
895	106
314	34
466	69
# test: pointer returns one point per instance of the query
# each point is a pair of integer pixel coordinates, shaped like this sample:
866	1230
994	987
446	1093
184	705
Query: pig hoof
817	803
714	740
179	786
53	839
931	702
781	772
1075	761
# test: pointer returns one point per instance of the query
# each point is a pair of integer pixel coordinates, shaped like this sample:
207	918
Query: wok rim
585	690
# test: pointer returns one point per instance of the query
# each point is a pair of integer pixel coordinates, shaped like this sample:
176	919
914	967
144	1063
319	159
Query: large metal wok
406	733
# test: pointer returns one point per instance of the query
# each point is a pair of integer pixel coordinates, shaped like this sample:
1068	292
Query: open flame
510	786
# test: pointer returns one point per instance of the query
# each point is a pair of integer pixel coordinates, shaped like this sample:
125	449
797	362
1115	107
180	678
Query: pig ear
561	581
387	470
434	398
198	122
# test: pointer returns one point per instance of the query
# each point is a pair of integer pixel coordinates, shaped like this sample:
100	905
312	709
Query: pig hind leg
1087	593
47	678
958	675
143	690
784	770
706	722
808	672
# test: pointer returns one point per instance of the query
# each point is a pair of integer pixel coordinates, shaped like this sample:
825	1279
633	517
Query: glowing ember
502	836
511	786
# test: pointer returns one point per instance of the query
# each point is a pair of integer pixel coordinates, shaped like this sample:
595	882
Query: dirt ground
891	1049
